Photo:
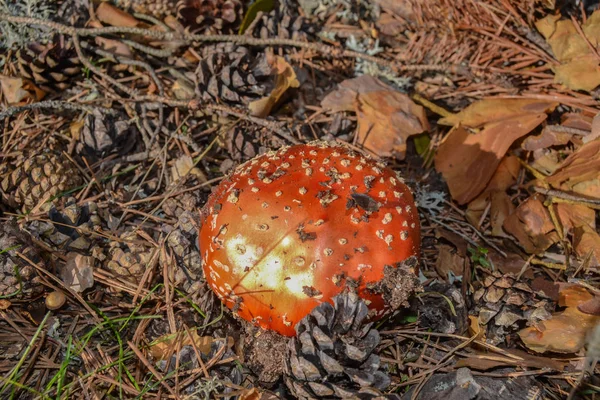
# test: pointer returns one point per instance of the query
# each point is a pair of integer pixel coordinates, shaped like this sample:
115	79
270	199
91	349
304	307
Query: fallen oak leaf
386	117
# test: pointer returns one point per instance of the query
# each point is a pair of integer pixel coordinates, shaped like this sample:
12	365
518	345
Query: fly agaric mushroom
290	229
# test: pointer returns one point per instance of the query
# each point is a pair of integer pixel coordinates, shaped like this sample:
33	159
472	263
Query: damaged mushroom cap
290	229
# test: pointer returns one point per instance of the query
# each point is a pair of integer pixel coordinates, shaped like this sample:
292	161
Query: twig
323	49
61	105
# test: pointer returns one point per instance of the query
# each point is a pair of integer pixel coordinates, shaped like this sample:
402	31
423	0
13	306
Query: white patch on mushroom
389	239
387	218
379	233
287	208
302	190
328	252
397	194
286	322
393	180
407	208
413	225
233	196
251	181
399	210
278	193
343	241
265	204
405	224
267	180
254	189
358	167
319	222
382	194
404	235
345	162
308	171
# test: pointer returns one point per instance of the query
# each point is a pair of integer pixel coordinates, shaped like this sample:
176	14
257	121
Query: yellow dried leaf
579	69
286	78
582	73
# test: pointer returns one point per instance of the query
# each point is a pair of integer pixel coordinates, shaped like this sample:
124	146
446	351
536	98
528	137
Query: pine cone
183	241
50	66
158	8
230	73
284	22
332	354
34	177
210	16
505	305
103	134
127	258
69	227
18	277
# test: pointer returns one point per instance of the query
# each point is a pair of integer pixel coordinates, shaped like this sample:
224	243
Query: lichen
20	35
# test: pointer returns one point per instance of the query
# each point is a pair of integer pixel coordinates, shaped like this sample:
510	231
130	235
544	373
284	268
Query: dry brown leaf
113	46
487	111
475	328
468	161
586	241
579	69
111	15
546	139
78	272
449	260
286	78
504	177
500	208
19	91
579	172
566	331
386	117
531	225
185	165
256	394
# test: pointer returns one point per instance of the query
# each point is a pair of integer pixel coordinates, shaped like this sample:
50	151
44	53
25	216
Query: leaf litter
500	95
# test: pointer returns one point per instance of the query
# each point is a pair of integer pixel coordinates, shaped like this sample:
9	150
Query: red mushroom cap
284	231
